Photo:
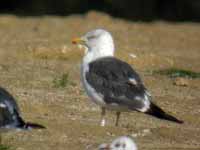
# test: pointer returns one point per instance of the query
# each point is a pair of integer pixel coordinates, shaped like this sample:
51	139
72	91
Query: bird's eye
117	145
91	37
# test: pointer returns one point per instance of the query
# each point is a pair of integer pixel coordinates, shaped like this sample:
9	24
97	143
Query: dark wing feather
9	111
5	116
6	96
111	77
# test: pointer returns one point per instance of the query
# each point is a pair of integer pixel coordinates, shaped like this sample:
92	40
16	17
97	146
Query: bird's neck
92	55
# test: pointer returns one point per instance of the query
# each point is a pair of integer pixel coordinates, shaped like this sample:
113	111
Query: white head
121	143
98	43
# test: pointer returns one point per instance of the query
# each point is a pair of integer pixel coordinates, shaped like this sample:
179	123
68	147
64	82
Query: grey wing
5	115
118	83
8	109
8	99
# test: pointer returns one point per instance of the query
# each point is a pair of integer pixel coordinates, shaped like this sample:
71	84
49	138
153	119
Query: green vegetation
4	147
174	72
62	81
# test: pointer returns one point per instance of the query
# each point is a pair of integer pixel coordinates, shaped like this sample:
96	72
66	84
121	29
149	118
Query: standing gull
9	114
112	83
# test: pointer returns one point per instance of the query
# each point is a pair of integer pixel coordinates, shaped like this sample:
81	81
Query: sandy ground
36	51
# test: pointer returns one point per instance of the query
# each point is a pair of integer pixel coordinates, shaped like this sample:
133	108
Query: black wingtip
159	113
30	125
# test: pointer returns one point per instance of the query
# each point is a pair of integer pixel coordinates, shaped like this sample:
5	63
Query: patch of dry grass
31	59
63	53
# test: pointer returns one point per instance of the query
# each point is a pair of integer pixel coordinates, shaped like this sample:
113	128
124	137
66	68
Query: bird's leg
103	113
117	119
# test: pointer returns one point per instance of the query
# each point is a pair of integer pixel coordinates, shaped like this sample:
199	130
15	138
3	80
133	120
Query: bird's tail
29	126
159	113
21	124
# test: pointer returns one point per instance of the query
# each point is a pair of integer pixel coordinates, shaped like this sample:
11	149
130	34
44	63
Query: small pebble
132	55
181	81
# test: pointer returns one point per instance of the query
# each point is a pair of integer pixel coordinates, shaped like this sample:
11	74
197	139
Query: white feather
133	81
2	105
146	104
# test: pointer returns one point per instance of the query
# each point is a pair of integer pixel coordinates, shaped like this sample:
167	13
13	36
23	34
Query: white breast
95	97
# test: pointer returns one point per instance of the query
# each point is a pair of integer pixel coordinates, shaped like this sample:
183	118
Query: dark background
143	10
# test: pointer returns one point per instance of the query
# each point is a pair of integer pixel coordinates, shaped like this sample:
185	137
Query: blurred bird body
10	114
120	143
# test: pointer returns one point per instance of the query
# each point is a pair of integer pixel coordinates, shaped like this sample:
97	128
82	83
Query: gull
10	115
112	83
120	143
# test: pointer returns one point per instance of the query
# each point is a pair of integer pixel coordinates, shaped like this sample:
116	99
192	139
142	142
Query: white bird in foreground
9	114
112	83
121	143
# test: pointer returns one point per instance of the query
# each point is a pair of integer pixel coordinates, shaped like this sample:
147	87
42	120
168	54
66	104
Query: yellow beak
78	41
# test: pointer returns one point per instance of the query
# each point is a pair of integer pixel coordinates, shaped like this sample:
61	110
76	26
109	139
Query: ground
36	52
